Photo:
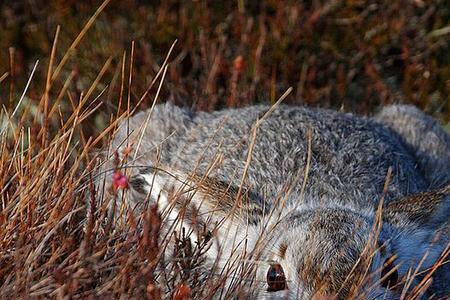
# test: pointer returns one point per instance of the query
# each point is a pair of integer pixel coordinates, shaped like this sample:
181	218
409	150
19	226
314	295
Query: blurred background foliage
355	55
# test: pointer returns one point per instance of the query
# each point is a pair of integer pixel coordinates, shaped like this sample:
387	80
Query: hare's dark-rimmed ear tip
427	208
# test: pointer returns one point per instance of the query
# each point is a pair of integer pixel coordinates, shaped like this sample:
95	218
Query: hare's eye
276	279
389	274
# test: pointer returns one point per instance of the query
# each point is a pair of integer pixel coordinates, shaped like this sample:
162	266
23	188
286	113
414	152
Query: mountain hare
318	204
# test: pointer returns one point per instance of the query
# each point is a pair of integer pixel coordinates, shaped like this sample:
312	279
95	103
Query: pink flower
120	181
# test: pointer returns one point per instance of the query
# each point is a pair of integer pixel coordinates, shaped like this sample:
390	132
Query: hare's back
344	158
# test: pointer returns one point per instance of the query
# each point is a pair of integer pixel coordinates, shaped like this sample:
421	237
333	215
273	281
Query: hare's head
326	253
323	252
337	253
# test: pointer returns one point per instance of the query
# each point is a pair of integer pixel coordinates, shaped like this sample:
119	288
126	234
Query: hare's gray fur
312	187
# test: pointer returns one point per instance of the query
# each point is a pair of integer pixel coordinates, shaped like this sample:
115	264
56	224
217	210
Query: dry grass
54	113
52	245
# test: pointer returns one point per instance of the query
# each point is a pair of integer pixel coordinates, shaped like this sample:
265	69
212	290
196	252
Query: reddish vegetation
229	53
355	54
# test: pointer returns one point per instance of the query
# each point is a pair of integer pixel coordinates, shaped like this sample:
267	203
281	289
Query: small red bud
239	64
120	181
182	292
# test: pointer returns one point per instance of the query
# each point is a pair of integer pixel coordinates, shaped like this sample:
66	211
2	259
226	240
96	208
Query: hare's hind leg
426	139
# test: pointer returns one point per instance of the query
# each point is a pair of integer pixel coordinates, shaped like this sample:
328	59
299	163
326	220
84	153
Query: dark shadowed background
353	55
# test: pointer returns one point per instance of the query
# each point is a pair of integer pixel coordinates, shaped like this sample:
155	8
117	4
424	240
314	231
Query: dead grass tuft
57	238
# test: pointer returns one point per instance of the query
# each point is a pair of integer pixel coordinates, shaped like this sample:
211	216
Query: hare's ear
424	209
